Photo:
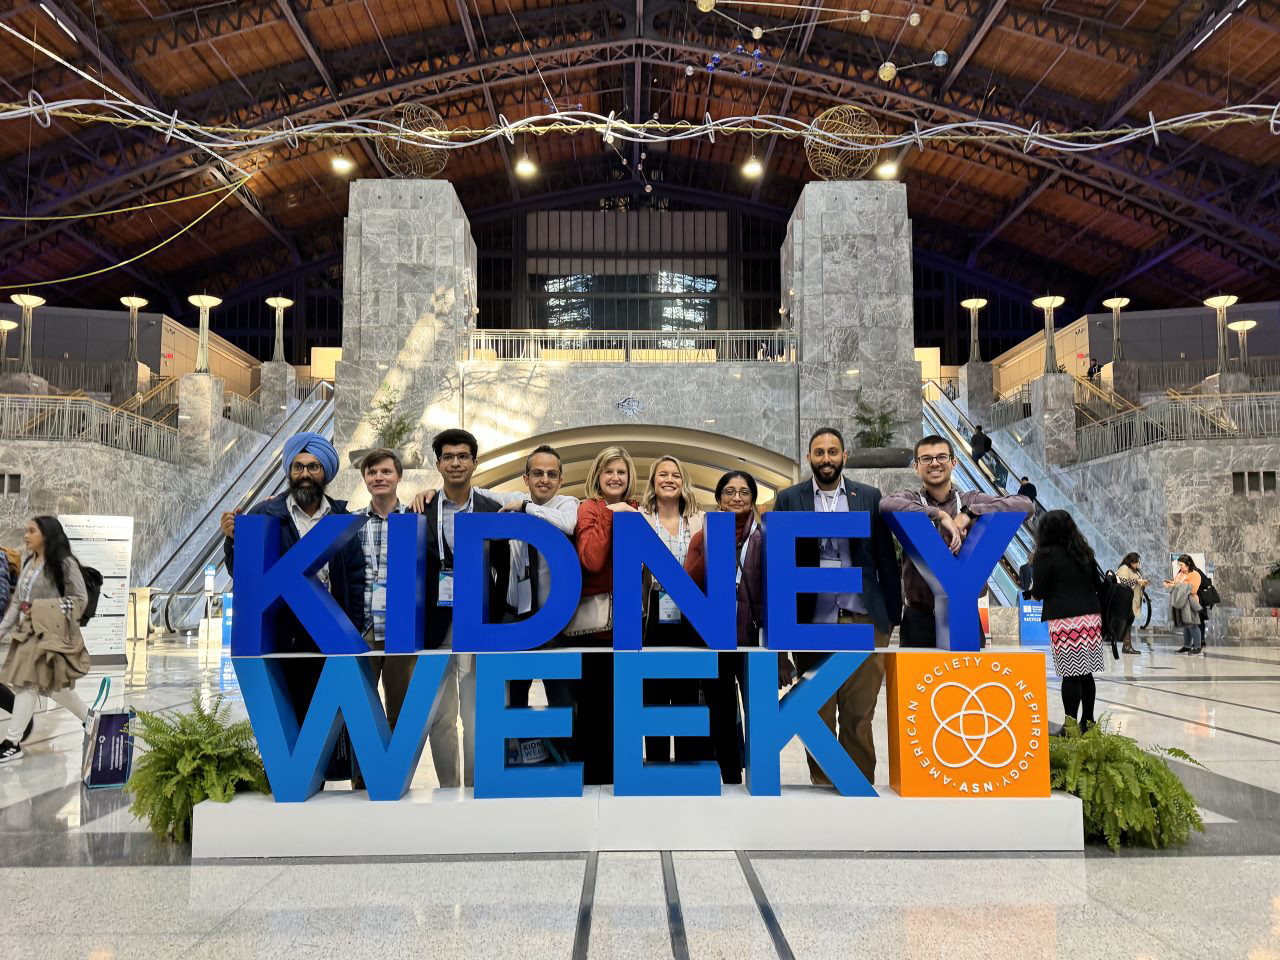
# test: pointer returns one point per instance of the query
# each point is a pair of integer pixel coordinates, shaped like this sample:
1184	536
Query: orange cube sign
968	724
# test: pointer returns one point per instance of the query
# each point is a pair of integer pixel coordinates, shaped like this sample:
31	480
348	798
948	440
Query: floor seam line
586	905
675	916
767	913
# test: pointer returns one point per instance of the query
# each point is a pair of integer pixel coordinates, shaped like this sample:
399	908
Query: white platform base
346	824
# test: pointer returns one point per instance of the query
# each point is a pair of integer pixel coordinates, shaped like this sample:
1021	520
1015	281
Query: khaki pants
850	712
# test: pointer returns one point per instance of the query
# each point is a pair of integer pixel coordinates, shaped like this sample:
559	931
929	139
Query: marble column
276	391
408	293
200	403
846	270
127	378
977	391
1053	418
1124	380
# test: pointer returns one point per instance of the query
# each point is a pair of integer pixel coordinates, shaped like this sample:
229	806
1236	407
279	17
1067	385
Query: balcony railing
634	346
1264	374
1010	408
85	420
1213	416
247	413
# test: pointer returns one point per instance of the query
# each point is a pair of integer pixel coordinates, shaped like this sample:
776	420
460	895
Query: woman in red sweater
609	487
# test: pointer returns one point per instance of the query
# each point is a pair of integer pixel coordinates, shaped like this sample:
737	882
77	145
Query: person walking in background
668	503
1188	611
981	448
310	463
609	488
1130	572
736	493
953	512
879	603
1027	489
1066	581
42	624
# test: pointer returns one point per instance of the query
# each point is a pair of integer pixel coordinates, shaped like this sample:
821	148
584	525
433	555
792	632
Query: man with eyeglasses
530	582
953	512
455	452
310	462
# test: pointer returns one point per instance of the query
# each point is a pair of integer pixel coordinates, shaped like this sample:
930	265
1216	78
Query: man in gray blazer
827	490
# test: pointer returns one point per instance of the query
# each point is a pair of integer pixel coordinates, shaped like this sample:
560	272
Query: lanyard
742	554
829	544
27	582
440	499
382	536
955	494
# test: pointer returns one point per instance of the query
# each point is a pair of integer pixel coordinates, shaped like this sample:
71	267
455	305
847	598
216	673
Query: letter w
295	759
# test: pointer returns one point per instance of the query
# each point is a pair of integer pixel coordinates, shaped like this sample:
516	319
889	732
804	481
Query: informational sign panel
1032	632
106	544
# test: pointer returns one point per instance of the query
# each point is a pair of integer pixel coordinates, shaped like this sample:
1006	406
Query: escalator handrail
963	419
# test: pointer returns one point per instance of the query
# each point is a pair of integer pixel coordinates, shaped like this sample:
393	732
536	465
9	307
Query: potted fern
192	757
391	429
873	436
1130	796
1271	587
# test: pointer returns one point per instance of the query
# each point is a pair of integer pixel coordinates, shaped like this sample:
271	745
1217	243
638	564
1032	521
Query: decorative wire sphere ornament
836	162
405	158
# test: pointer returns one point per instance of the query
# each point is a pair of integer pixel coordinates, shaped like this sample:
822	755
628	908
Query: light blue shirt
832	552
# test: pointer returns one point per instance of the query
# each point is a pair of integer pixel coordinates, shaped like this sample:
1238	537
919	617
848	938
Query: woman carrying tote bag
46	651
609	488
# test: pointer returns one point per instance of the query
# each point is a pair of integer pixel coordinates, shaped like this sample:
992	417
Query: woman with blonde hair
672	510
610	488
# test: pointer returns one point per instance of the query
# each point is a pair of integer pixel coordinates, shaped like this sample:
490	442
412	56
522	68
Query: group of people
520	582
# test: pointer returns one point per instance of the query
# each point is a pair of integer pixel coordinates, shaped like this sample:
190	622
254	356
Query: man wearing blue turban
310	462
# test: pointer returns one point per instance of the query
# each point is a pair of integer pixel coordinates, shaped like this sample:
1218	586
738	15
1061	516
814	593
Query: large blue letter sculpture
956	581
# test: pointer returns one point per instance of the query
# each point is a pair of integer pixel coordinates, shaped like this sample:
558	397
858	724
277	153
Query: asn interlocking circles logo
981	720
974	725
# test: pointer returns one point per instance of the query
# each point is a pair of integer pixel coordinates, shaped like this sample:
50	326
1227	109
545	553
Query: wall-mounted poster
106	544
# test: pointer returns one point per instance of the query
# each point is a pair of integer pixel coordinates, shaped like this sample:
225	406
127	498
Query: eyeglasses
930	458
544	474
298	469
733	493
455	458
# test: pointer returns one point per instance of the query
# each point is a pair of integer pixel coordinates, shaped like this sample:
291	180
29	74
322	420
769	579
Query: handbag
108	744
594	615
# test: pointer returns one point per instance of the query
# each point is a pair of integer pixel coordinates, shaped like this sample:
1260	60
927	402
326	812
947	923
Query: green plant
875	424
192	757
1130	796
390	426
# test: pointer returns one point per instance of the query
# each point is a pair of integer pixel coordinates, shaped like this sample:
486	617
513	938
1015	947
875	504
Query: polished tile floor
81	878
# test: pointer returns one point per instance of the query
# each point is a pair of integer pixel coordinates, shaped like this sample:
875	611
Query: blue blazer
346	574
881	576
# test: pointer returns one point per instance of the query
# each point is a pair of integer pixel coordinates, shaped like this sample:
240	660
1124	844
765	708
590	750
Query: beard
827	471
306	492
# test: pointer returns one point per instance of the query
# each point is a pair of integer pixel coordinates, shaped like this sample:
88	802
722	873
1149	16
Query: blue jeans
1191	637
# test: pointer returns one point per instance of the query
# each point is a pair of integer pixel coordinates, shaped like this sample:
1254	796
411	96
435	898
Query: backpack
1208	593
14	560
92	587
1116	602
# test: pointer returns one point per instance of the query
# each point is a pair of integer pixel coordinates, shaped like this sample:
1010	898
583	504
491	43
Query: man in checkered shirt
382	471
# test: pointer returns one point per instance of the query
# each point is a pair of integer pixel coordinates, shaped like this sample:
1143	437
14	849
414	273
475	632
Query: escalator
944	417
969	476
178	585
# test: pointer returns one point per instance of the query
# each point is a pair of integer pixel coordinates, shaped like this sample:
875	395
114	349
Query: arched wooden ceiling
1165	221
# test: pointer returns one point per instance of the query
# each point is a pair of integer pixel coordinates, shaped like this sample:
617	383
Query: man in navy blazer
850	712
310	463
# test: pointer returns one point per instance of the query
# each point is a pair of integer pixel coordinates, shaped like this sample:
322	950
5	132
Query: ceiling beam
1015	210
1194	26
805	39
994	10
468	30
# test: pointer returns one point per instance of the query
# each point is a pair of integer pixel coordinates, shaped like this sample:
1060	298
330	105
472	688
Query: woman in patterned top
1065	578
672	510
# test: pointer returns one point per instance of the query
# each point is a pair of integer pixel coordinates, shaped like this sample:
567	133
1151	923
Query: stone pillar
276	391
408	293
977	391
24	383
1053	418
200	402
1124	380
127	378
847	257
